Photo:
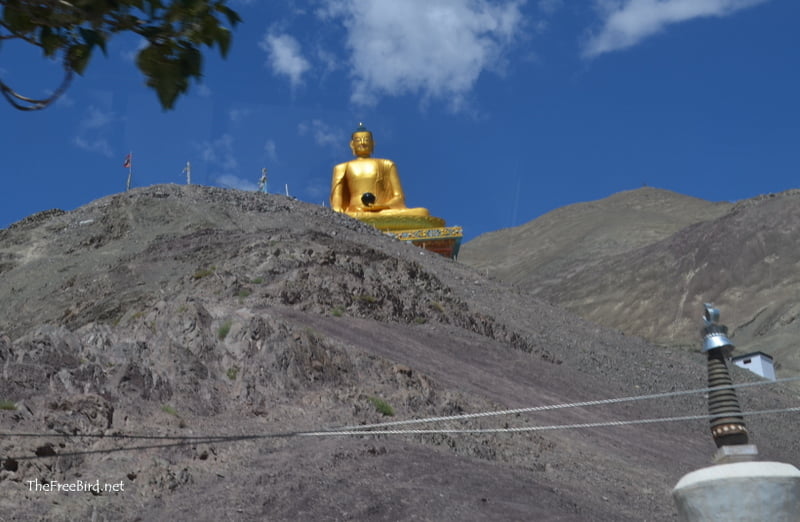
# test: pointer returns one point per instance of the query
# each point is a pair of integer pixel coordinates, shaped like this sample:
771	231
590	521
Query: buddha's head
361	142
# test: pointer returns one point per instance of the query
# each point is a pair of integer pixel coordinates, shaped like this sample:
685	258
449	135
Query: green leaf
153	7
191	60
78	57
50	42
92	38
194	6
17	20
165	73
224	41
233	16
150	32
207	31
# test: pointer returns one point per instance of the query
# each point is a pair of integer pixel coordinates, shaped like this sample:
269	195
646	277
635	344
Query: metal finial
715	335
711	314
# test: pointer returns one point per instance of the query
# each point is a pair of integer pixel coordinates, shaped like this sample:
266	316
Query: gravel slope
195	312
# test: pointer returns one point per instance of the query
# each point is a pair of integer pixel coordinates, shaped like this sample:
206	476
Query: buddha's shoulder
362	161
385	162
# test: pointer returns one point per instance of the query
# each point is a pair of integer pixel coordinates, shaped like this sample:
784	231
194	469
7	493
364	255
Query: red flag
127	163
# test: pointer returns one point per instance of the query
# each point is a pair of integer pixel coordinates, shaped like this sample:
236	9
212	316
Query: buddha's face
361	144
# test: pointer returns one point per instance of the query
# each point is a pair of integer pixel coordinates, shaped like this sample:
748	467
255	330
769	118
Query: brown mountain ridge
644	262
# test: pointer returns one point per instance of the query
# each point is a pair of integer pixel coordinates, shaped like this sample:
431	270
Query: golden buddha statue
369	190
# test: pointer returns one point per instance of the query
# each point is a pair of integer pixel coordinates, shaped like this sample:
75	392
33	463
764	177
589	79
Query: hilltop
199	312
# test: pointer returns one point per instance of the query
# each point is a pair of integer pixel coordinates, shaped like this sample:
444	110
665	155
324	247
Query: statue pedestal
427	232
443	240
391	221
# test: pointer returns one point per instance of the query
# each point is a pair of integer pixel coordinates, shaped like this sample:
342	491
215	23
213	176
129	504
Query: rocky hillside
173	341
566	240
645	261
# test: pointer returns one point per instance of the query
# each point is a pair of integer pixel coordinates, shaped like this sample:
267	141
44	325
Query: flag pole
188	170
129	164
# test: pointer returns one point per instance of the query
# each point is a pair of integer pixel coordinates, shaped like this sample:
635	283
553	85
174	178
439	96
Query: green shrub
7	405
204	272
224	330
169	409
382	406
337	311
232	372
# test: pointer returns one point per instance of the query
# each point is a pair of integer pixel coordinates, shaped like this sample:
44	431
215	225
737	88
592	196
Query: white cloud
550	6
219	152
93	130
237	115
548	9
235	182
272	150
436	49
323	134
64	100
99	145
627	22
203	90
97	118
328	59
285	57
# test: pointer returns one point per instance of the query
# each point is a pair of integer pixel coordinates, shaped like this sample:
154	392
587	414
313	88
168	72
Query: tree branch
13	34
176	32
23	103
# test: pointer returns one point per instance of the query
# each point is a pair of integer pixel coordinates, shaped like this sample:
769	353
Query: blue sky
495	111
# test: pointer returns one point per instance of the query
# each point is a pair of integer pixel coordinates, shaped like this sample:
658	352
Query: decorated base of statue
445	241
428	232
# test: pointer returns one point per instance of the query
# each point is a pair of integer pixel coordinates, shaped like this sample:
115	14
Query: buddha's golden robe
351	180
